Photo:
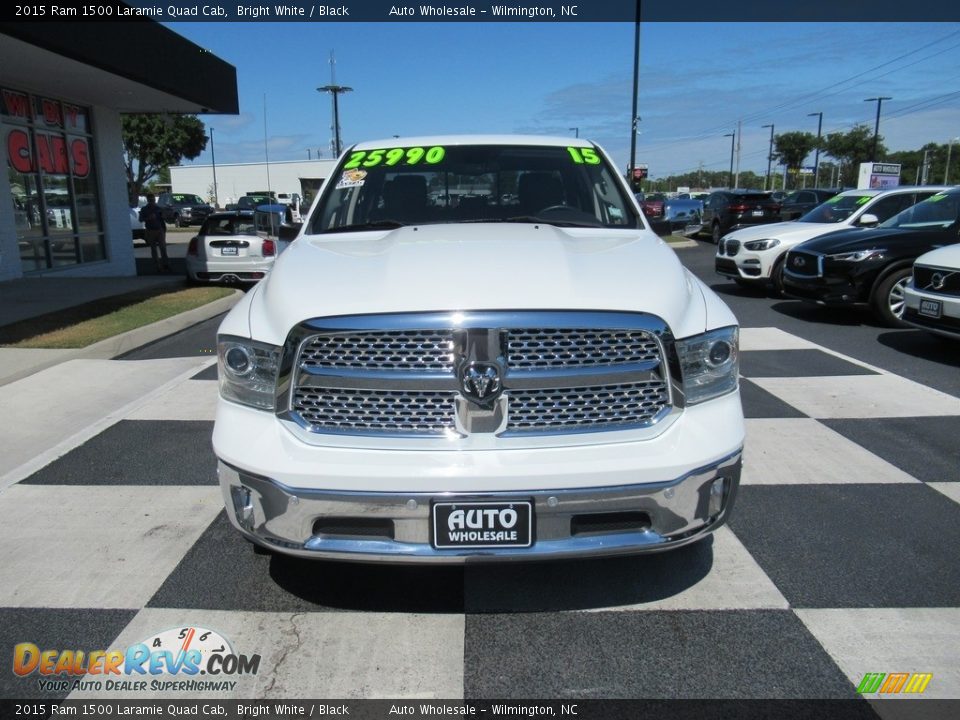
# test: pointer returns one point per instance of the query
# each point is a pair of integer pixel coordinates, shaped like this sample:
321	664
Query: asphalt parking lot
840	559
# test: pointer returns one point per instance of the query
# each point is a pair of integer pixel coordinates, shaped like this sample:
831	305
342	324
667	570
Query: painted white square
735	582
791	451
319	654
96	546
921	640
189	400
950	489
860	396
771	338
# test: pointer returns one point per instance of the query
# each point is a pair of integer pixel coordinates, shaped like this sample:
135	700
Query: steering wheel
560	208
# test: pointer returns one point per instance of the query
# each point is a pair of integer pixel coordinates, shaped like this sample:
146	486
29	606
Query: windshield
935	213
836	209
396	186
188	199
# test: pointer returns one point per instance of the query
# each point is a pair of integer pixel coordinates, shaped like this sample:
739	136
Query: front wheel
715	235
888	298
776	278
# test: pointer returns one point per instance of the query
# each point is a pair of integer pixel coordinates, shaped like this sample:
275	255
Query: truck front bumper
396	527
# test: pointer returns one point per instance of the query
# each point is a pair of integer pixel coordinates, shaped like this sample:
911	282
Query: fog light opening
718	491
242	506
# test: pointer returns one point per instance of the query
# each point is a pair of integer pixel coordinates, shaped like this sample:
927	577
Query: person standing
155	232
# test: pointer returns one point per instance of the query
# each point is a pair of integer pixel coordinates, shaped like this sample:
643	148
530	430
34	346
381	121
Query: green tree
792	148
852	148
152	143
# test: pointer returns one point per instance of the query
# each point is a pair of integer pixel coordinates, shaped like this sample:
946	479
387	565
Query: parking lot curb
120	344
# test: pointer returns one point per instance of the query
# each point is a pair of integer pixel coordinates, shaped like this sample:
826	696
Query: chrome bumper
395	527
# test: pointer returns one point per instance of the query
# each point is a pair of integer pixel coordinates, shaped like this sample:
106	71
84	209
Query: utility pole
766	180
733	137
926	168
213	160
876	126
736	179
946	172
335	90
816	160
636	82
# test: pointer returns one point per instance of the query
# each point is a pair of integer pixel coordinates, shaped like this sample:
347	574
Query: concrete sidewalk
27	298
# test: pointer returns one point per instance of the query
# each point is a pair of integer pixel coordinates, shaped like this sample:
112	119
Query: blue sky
696	81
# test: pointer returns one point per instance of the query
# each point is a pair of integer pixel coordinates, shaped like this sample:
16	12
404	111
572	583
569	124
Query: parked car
873	266
229	249
250	202
932	298
726	210
379	404
652	205
183	209
137	228
800	202
683	212
754	256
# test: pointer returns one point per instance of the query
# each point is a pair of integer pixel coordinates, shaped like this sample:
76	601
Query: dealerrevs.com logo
173	660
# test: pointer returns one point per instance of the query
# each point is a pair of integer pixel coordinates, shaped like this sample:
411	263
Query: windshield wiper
532	219
385	224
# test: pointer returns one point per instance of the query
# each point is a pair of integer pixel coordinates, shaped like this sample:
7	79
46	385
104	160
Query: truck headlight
709	363
761	244
247	371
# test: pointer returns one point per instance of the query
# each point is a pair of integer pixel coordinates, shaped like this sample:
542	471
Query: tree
152	143
792	148
852	148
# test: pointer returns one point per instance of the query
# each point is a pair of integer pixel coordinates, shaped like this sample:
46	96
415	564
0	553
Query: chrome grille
375	411
586	408
401	374
937	280
571	348
395	350
733	247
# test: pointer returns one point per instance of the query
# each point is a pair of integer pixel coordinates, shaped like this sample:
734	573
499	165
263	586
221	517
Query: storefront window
56	203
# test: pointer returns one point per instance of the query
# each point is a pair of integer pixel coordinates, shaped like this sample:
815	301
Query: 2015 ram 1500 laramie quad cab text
476	350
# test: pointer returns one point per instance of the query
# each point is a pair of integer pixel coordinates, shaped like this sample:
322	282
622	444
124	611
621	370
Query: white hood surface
482	266
786	232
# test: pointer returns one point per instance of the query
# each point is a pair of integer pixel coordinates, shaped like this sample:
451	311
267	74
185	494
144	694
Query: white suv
476	349
754	255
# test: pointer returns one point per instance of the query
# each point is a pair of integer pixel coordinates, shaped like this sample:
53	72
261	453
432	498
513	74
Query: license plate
931	308
228	251
482	524
758	213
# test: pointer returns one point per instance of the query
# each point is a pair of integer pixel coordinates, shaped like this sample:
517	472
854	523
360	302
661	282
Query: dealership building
63	88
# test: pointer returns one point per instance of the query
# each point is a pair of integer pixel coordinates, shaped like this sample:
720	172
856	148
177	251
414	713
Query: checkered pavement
840	559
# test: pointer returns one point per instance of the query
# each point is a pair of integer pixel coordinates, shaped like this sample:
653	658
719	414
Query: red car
652	204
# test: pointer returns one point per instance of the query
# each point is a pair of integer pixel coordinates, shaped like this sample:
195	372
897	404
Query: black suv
183	209
725	210
873	265
799	202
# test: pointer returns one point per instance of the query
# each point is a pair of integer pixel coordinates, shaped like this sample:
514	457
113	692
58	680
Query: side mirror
868	220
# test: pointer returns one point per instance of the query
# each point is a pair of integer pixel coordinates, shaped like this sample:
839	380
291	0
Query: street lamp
769	157
816	158
576	132
335	90
213	161
733	137
876	127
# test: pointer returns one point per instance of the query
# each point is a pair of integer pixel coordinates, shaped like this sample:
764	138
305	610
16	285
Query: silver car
228	249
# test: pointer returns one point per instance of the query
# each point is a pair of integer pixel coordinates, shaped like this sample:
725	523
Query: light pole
816	158
733	137
636	83
769	157
946	172
213	161
335	90
876	126
576	132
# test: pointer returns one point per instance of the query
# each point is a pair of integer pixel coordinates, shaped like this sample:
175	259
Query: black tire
178	221
776	278
888	301
715	234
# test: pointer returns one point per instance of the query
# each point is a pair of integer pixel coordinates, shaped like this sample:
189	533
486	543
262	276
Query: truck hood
496	266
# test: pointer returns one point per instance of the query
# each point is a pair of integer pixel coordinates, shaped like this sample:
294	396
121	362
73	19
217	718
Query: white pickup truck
476	349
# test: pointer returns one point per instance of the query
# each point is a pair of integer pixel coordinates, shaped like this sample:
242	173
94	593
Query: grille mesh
387	411
571	348
923	280
803	263
587	407
394	350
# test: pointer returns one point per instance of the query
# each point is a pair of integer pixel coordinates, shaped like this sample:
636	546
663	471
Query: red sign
56	155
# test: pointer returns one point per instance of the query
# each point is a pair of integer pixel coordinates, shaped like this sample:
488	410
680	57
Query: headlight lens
247	371
761	244
859	255
709	363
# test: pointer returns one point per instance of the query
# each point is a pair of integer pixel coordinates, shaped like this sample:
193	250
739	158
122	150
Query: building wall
236	179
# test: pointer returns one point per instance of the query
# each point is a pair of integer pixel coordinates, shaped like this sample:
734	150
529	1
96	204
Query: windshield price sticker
938	197
584	155
395	156
863	200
